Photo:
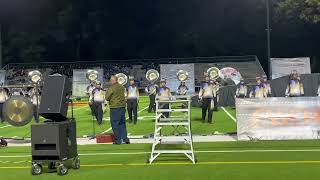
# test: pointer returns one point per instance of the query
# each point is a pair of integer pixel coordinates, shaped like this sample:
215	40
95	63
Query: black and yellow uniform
132	94
151	89
242	90
295	88
164	92
89	91
206	95
98	98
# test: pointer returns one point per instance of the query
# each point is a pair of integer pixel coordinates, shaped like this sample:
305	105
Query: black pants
35	113
164	106
98	112
206	107
92	109
132	106
215	101
152	104
1	115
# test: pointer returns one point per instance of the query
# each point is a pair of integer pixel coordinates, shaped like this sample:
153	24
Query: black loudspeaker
54	102
55	141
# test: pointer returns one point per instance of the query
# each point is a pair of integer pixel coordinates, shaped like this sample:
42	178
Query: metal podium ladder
180	106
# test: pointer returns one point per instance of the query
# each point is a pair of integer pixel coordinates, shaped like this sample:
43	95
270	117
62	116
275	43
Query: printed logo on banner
278	118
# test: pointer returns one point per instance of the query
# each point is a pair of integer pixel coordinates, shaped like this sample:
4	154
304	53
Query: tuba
152	76
213	73
182	75
35	76
122	79
92	75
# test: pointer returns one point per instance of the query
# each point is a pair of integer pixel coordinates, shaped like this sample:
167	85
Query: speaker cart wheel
62	170
36	169
76	163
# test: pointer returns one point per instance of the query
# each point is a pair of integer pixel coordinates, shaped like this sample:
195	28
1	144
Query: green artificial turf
222	123
292	160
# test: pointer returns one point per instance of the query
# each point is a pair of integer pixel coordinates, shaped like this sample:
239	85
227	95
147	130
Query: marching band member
295	87
182	89
216	97
89	91
3	97
206	95
242	90
16	92
259	90
164	92
132	94
267	86
98	98
34	95
151	89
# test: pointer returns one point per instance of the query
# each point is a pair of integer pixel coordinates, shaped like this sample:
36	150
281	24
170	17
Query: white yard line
143	109
107	130
5	126
233	118
218	151
75	109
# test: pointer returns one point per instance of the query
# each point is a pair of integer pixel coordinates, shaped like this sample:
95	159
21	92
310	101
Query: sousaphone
122	79
182	75
18	111
213	73
92	75
152	75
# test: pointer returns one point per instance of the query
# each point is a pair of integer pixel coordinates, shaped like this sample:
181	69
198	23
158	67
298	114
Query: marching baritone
98	99
206	95
258	91
132	94
151	89
4	95
164	93
295	87
89	91
242	90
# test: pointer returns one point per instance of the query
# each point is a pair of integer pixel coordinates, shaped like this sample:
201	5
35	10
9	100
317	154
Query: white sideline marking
234	119
126	119
5	126
221	151
107	130
75	109
143	109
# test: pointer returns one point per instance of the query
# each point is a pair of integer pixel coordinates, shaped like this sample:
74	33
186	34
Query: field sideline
224	160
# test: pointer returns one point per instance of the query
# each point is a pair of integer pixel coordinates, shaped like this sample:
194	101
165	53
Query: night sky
64	30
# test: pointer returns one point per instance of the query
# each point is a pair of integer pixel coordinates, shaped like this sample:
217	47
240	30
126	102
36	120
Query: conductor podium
172	134
54	142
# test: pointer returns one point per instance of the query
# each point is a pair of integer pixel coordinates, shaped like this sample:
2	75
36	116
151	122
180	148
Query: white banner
169	72
80	82
284	66
278	118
